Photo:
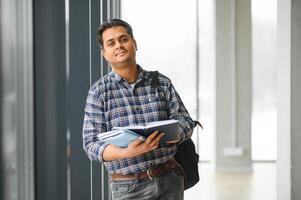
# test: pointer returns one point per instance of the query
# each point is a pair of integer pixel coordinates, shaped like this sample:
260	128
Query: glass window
264	133
166	34
166	38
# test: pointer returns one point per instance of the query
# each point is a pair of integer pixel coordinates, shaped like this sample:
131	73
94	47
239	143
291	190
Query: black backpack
186	154
187	157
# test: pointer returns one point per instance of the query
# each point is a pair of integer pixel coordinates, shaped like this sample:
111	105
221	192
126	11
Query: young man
125	96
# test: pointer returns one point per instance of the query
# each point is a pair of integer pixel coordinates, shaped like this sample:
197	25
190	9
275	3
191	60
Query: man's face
118	46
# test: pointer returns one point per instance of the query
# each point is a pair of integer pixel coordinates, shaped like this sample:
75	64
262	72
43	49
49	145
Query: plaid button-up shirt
113	102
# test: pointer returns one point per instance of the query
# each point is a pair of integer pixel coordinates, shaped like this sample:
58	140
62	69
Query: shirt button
135	92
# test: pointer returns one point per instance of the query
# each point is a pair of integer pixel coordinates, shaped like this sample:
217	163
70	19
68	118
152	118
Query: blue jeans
167	187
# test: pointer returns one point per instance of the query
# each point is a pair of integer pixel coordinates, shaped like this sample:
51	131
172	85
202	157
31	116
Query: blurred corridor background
233	62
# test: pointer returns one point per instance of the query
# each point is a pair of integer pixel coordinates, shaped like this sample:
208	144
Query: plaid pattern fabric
113	102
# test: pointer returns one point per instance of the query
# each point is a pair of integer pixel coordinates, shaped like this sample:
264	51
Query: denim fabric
167	187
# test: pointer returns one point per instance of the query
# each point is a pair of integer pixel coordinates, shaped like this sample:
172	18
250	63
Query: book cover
169	127
120	138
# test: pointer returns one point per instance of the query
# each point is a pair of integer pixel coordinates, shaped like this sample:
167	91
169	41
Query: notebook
169	127
120	138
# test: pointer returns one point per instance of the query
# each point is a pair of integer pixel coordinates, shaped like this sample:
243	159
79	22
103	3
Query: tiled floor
258	185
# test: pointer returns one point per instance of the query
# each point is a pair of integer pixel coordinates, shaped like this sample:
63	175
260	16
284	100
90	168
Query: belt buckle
149	174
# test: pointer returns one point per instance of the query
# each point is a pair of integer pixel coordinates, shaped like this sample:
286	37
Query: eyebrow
112	39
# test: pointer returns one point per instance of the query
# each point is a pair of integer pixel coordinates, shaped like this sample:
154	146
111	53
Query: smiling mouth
121	53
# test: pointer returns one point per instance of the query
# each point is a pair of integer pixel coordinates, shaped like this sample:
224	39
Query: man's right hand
135	148
141	146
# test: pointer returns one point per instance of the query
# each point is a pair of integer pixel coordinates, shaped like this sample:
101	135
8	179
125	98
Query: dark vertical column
99	175
84	65
78	87
1	120
295	99
50	99
59	104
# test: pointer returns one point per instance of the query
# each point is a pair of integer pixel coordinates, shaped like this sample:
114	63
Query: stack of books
122	136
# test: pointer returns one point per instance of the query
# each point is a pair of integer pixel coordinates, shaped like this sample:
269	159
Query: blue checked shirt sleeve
94	123
177	110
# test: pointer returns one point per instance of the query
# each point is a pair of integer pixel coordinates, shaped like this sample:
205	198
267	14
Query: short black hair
112	23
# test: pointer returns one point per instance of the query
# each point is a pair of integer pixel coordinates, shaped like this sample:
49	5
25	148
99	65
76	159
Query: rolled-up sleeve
94	123
177	111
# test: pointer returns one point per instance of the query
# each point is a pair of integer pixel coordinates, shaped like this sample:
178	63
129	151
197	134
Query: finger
172	141
138	141
155	143
151	137
156	140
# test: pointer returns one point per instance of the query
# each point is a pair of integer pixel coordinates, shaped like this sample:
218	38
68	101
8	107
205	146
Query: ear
135	44
103	53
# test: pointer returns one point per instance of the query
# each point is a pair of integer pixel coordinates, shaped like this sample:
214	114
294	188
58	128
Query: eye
123	40
110	44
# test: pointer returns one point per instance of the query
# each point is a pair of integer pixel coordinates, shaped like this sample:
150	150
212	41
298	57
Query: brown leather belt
150	174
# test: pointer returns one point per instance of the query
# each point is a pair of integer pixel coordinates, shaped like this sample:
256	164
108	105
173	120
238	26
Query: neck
129	72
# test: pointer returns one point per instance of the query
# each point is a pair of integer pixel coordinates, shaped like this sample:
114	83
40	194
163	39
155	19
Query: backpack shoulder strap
155	84
197	123
154	79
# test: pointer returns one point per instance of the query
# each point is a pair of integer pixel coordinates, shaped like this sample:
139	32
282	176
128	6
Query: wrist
125	153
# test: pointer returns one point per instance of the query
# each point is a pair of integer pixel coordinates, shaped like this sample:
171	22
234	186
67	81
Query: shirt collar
117	78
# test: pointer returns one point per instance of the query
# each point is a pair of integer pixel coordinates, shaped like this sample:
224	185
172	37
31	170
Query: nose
118	45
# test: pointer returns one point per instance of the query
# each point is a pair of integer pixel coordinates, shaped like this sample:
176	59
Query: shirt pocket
154	108
117	114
